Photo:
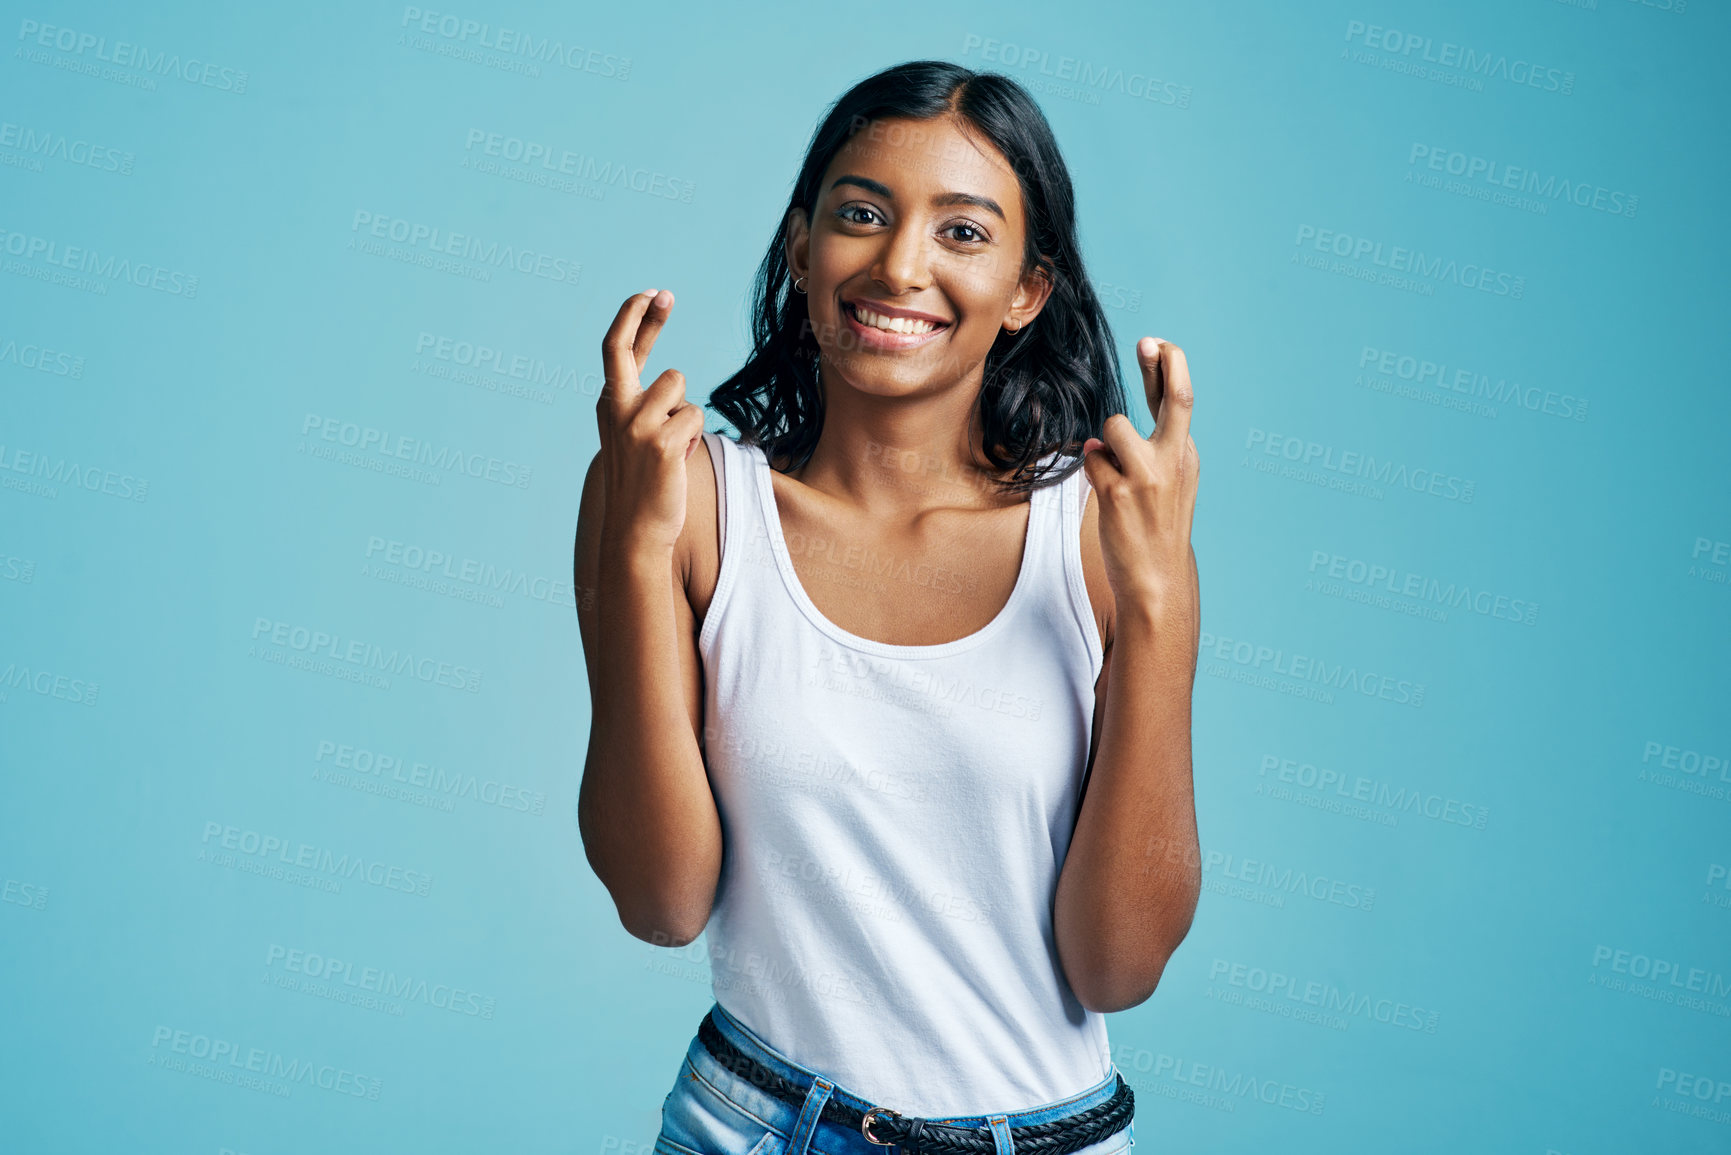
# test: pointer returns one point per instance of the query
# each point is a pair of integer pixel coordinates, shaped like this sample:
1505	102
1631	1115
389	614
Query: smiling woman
849	671
933	183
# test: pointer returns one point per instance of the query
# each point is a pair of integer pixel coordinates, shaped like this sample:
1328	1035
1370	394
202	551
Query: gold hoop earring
799	285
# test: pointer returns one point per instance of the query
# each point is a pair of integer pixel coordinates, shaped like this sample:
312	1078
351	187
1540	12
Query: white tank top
895	817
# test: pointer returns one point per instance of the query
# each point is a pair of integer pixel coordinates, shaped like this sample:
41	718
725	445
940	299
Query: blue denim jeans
712	1111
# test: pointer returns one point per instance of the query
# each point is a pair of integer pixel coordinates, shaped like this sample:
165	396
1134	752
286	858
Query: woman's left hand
1147	489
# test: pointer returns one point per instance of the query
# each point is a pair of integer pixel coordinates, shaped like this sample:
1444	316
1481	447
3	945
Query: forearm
645	808
1131	878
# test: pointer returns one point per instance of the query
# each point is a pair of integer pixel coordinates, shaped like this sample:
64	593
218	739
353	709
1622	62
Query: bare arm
645	810
1130	884
1133	875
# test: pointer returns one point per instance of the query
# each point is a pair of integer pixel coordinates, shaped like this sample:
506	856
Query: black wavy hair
1047	387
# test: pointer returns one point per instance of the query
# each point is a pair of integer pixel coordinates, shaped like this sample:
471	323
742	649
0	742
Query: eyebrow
949	198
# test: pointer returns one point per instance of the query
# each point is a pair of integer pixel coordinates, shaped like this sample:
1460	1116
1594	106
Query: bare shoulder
1094	566
697	553
1100	597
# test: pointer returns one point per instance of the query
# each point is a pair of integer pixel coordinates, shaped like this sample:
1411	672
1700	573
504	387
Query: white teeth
893	324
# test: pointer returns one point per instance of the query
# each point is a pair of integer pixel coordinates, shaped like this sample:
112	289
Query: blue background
1489	877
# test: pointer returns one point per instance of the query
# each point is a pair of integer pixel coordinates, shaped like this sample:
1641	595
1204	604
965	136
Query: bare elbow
1120	978
1118	992
655	918
661	927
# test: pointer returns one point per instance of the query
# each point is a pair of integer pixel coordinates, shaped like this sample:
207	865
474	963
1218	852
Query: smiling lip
870	338
884	310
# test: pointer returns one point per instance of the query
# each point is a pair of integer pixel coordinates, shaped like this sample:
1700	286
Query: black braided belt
916	1136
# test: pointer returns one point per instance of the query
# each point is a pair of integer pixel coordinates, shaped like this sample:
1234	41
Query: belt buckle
865	1124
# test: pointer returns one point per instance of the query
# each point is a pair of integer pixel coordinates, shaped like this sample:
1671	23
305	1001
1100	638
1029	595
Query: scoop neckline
790	578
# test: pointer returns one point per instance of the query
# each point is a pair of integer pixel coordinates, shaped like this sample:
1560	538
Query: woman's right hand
646	434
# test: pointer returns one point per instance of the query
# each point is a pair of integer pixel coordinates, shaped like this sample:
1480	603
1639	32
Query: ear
797	242
1032	293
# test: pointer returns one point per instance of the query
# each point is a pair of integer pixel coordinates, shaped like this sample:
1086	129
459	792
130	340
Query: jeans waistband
747	1041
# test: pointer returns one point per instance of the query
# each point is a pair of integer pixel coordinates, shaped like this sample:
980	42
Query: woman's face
914	217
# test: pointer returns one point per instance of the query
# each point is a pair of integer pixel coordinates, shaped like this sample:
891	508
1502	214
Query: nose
902	264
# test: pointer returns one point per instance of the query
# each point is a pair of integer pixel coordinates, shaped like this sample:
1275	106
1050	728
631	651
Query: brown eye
845	211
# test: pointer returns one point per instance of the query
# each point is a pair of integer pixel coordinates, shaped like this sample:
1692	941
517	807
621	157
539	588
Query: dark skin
926	216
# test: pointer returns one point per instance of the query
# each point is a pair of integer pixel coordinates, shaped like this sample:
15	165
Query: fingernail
652	293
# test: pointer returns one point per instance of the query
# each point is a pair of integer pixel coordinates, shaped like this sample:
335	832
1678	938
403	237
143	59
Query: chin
884	376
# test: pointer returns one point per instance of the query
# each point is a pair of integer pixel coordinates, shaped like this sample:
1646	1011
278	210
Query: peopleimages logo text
1486	65
330	969
365	655
368	439
1087	76
1309	668
47	683
515	42
466	246
123	54
69	472
1454	379
58	146
305	856
1319	993
469	570
1501	175
580	166
266	1062
40	358
1353	463
91	262
1469	275
1405	583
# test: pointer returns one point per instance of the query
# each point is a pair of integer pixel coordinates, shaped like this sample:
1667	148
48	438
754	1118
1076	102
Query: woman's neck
903	455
